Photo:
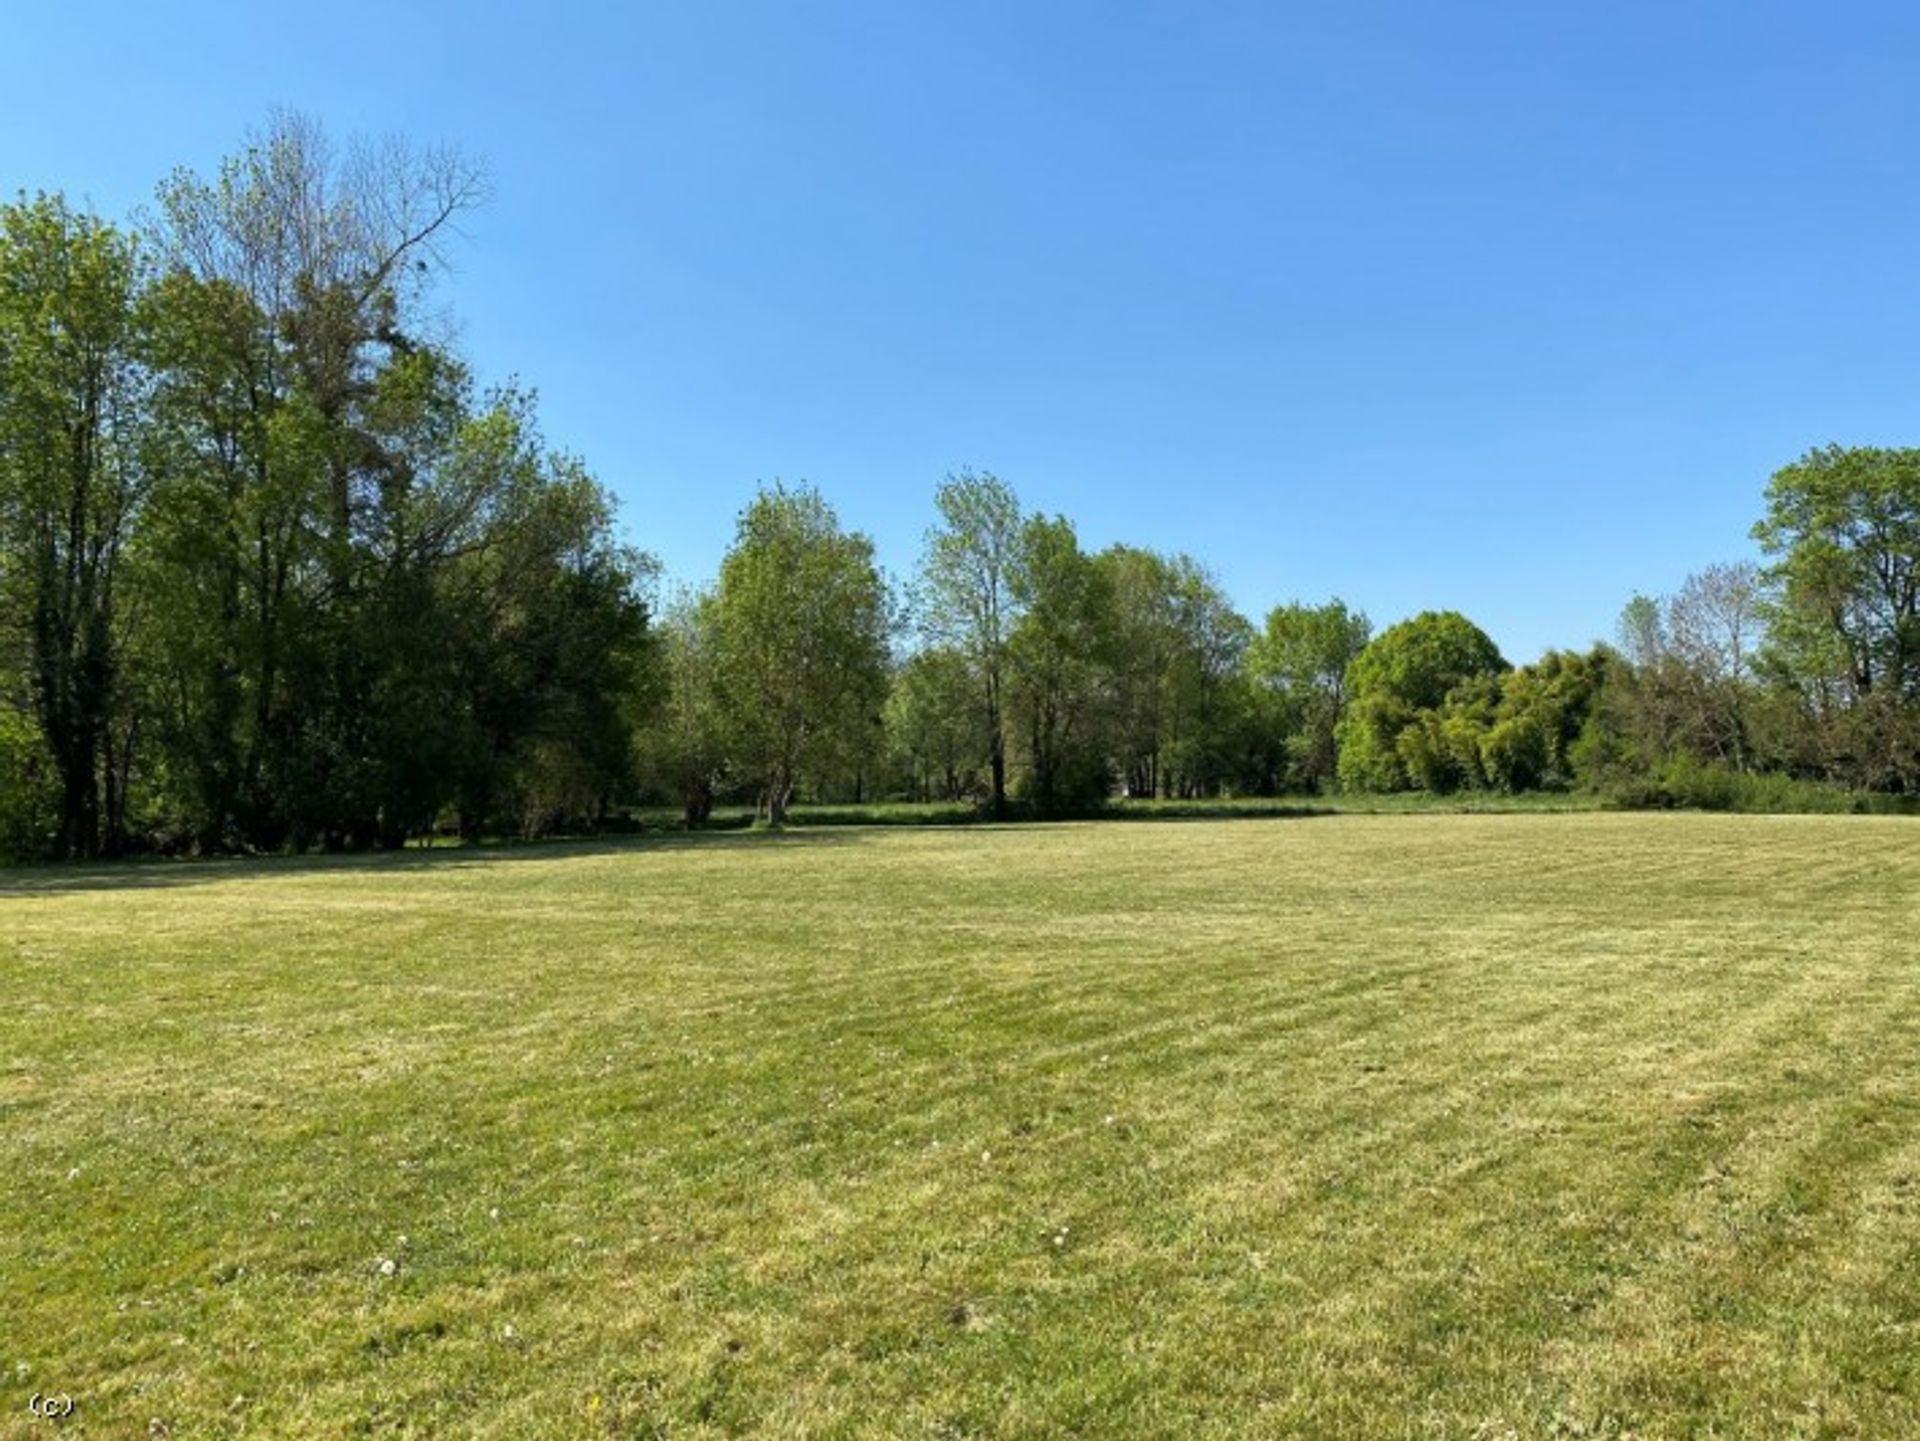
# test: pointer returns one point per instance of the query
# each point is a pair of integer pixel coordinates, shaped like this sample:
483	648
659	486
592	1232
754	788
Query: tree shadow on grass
132	875
829	828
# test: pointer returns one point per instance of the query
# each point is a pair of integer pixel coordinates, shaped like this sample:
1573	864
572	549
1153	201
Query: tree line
277	573
274	571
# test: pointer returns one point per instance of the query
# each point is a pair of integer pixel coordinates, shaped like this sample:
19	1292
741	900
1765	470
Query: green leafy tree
803	620
1408	668
1061	663
936	729
302	415
1146	643
72	476
1176	645
1298	667
685	751
971	580
1843	529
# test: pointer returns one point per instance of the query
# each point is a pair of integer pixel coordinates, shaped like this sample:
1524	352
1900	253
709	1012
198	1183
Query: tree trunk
997	758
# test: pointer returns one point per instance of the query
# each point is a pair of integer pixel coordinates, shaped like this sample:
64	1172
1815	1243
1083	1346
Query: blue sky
1506	307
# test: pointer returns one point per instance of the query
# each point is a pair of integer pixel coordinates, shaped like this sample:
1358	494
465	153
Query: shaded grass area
950	813
1423	1125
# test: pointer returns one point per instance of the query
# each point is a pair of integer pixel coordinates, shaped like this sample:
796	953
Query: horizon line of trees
276	573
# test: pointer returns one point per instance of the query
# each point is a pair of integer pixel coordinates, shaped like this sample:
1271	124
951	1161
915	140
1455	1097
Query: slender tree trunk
996	747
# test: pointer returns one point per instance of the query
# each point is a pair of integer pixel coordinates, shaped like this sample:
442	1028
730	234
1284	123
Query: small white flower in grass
985	1156
493	1213
507	1333
1108	1120
74	1174
387	1266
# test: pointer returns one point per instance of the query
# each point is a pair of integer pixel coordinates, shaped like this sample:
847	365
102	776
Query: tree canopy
278	570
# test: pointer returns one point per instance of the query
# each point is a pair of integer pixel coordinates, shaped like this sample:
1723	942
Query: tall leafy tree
1205	704
1146	642
1176	647
803	619
685	750
971	581
301	404
1843	530
1843	527
1060	664
72	475
1298	665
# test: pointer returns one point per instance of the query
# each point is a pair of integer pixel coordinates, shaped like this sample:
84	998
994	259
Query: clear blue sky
1510	307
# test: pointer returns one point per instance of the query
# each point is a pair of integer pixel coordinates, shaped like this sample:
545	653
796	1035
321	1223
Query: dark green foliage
287	580
1061	659
72	472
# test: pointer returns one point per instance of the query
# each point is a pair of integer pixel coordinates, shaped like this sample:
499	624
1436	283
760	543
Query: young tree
802	620
1686	681
970	584
1715	625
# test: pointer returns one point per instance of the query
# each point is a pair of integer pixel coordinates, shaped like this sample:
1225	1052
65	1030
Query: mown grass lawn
1350	1126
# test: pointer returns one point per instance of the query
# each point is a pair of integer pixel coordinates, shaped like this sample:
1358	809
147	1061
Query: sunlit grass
1490	1126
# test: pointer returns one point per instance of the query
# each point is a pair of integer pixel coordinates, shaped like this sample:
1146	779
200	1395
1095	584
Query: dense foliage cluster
275	573
1042	679
272	572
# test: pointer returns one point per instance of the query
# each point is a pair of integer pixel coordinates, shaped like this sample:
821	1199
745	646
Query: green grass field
1352	1126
